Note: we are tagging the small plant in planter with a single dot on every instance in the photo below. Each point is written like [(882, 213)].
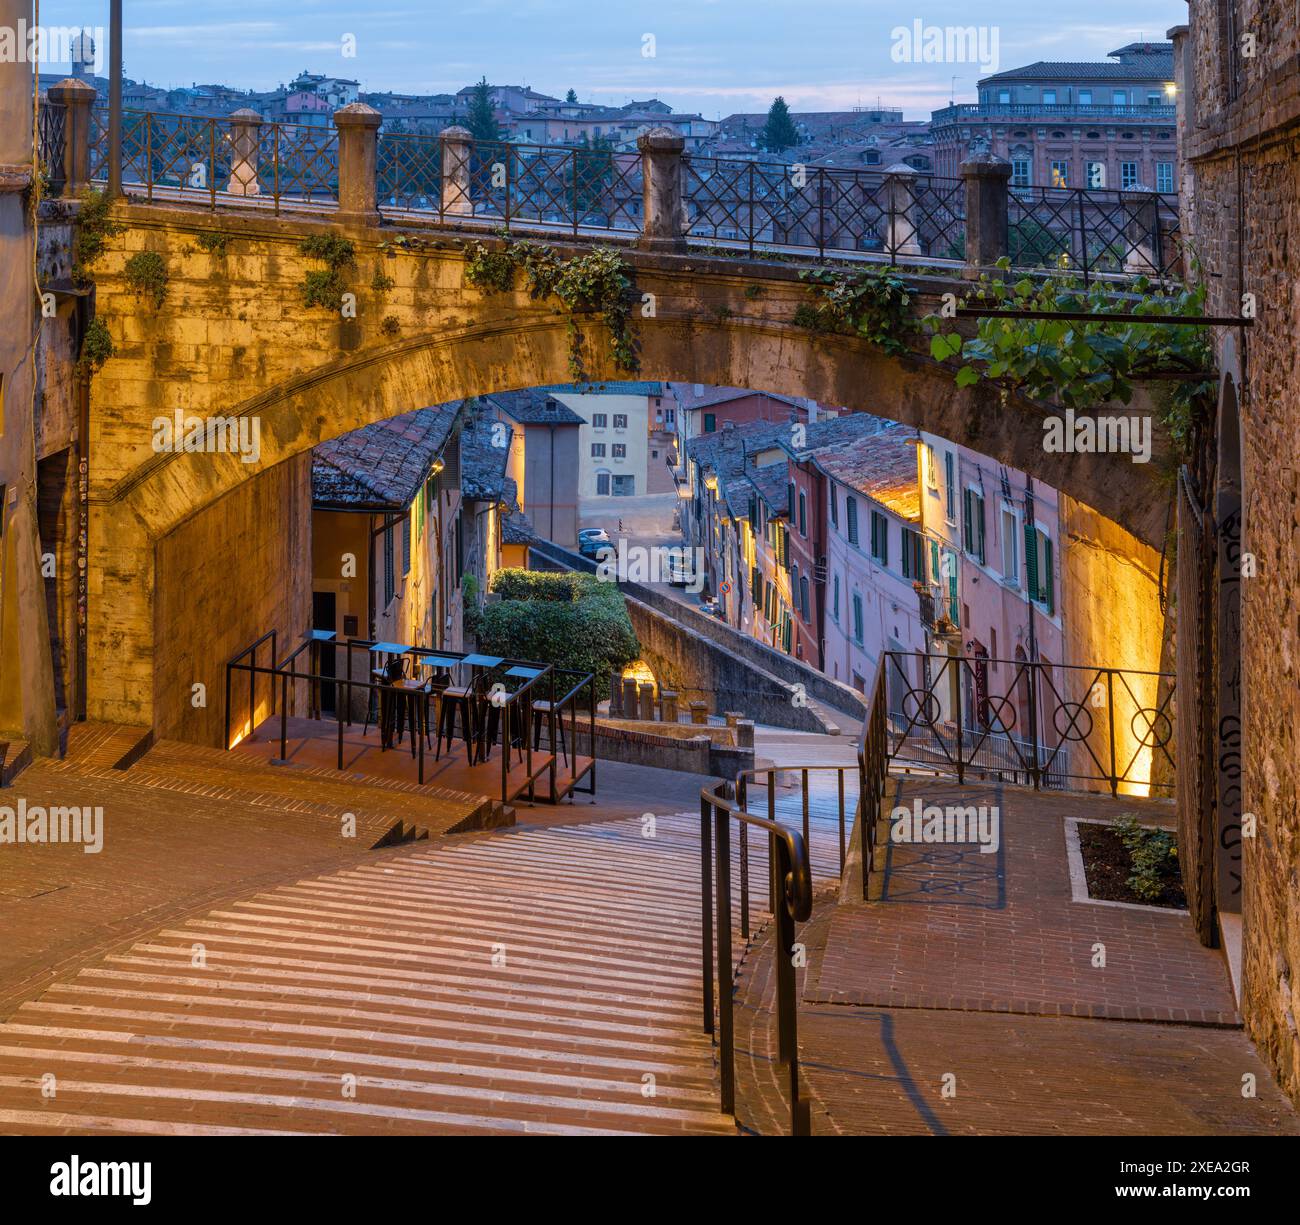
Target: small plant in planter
[(1154, 856)]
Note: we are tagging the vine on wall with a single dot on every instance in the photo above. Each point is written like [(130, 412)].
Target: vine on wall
[(325, 287), (595, 283), (874, 303)]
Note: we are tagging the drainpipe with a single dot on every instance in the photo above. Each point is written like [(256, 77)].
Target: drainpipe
[(115, 99)]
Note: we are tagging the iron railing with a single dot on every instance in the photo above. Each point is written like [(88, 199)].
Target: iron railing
[(52, 134), (1094, 230), (203, 159), (749, 205), (752, 204), (1154, 111), (1031, 722), (513, 707)]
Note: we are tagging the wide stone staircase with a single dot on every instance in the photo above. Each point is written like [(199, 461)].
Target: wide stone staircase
[(533, 981)]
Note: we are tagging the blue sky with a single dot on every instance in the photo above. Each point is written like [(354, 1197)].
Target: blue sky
[(712, 56)]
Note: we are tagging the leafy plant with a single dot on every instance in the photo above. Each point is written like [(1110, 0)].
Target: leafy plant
[(1153, 856), (146, 273), (390, 325), (874, 303), (381, 282), (597, 282), (1080, 364), (94, 229), (572, 620), (325, 287), (213, 243), (96, 347)]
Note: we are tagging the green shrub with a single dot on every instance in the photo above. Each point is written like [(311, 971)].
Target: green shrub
[(146, 273), (571, 620)]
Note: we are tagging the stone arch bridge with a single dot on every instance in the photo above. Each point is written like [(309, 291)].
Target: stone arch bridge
[(188, 552)]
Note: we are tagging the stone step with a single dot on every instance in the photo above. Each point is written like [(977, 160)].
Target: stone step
[(378, 1002)]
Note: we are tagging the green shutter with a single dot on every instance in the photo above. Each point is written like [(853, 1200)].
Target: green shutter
[(979, 502), (1049, 594), (1031, 560), (966, 532)]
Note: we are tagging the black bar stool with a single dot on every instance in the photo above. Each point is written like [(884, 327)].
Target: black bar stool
[(458, 700), (541, 709)]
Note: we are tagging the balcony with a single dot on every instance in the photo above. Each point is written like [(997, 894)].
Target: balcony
[(964, 111)]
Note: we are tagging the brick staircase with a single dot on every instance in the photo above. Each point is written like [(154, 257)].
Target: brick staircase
[(536, 981)]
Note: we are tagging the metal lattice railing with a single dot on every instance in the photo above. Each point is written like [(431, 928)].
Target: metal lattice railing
[(203, 159), (52, 133), (1094, 230), (771, 204)]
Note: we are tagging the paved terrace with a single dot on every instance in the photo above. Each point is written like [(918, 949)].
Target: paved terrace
[(980, 966)]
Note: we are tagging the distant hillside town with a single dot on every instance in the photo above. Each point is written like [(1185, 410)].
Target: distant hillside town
[(1096, 124)]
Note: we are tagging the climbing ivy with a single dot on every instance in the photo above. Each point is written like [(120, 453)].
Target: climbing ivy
[(94, 229), (212, 242), (874, 303), (146, 273), (96, 347), (595, 283), (1080, 364), (324, 287)]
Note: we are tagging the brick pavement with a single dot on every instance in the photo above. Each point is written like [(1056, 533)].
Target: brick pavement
[(949, 927), (870, 1070)]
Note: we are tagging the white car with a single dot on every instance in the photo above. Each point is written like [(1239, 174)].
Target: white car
[(681, 571)]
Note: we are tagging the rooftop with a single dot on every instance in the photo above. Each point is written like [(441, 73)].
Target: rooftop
[(381, 466), (533, 407), (482, 463)]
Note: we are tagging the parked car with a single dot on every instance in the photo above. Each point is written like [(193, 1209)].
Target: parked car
[(592, 539), (681, 568)]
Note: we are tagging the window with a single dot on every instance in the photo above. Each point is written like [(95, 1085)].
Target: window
[(1049, 97), (851, 514), (1119, 97), (1038, 567), (388, 565), (803, 514), (654, 454), (880, 537), (1096, 174), (1010, 547), (620, 421), (599, 421), (1085, 97), (619, 450), (406, 544), (1128, 174), (670, 416), (789, 501), (1021, 174), (597, 450), (710, 422), (950, 485), (973, 528), (805, 604), (857, 619), (1004, 97), (1154, 99), (931, 469), (835, 507), (913, 556), (835, 600), (1165, 177), (1060, 174)]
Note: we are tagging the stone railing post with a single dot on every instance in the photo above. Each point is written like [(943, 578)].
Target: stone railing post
[(668, 705), (663, 222), (358, 126), (76, 98), (898, 229), (457, 146), (988, 185), (700, 713), (745, 734), (630, 697), (1141, 230), (245, 146), (647, 702)]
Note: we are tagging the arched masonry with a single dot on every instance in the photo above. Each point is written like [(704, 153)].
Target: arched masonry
[(189, 550)]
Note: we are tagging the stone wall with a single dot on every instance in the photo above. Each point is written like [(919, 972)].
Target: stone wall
[(224, 578), (1244, 120)]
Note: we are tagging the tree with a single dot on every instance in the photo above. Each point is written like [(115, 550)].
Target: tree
[(571, 96), (779, 132), (481, 118)]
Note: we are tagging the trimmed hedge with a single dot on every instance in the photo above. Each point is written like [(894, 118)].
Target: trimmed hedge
[(571, 620)]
